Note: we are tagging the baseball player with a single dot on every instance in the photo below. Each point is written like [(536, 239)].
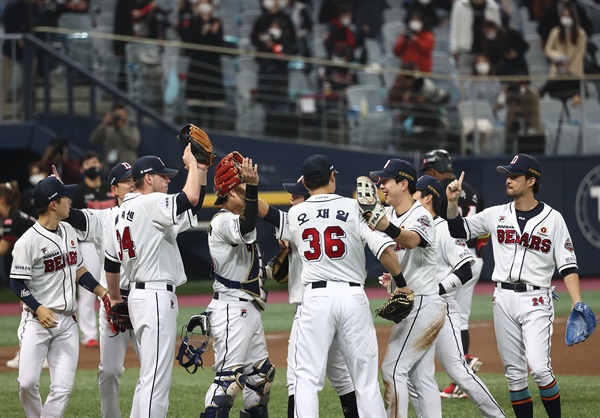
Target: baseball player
[(93, 193), (438, 164), (336, 371), (530, 240), (144, 241), (92, 225), (45, 269), (454, 261), (239, 345), (330, 234), (411, 349)]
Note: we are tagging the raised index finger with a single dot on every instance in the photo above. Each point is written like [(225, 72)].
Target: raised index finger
[(461, 178)]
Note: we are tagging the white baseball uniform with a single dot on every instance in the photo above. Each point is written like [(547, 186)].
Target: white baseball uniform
[(525, 261), (239, 342), (336, 369), (452, 254), (411, 349), (144, 240), (48, 261), (99, 224), (330, 235)]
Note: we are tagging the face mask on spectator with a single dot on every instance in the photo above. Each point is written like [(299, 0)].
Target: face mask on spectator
[(269, 4), (92, 172), (36, 178), (205, 8), (566, 21), (491, 35), (275, 33), (346, 21), (415, 25), (482, 68)]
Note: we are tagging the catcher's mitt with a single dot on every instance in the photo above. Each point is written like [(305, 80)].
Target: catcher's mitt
[(580, 324), (397, 307), (367, 197), (117, 316), (279, 266), (228, 173), (202, 148)]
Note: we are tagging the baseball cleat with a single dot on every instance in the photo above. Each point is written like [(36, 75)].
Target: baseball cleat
[(452, 391), (473, 362), (92, 344), (459, 394), (13, 363)]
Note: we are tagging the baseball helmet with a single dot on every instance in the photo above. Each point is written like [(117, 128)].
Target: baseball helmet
[(438, 159)]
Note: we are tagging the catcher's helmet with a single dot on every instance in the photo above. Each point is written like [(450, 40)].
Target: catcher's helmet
[(438, 159)]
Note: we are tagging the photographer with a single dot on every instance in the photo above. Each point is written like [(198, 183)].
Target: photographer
[(416, 43), (119, 140)]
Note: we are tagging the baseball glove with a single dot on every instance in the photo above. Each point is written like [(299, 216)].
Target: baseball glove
[(367, 197), (580, 324), (228, 173), (117, 316), (202, 148), (279, 266), (397, 307)]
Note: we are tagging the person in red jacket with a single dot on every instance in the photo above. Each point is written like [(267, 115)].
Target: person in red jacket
[(416, 43)]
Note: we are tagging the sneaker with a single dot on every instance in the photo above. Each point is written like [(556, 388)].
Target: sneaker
[(14, 362), (92, 344), (452, 391), (473, 362)]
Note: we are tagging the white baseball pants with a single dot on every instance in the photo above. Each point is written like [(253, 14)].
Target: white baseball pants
[(86, 301)]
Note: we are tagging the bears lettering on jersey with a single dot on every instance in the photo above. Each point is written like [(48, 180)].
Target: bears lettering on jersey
[(533, 242), (54, 262)]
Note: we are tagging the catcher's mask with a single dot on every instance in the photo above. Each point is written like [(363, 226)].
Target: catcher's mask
[(189, 356)]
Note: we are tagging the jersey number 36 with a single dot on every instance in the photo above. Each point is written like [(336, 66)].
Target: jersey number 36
[(330, 242), (126, 243)]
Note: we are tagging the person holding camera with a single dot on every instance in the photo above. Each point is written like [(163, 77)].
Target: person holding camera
[(119, 140), (57, 154), (416, 43)]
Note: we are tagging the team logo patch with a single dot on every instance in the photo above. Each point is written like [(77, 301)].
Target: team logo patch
[(423, 220), (502, 218), (460, 242), (72, 243), (244, 313), (569, 245), (44, 250), (543, 230)]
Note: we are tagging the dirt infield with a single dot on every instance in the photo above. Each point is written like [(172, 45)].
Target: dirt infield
[(579, 359)]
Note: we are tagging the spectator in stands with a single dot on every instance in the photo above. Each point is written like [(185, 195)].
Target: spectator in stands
[(428, 11), (416, 43), (57, 154), (119, 140), (123, 26), (368, 17), (149, 19), (566, 49), (484, 86), (17, 19), (466, 22), (300, 14), (552, 18), (537, 8), (522, 103), (505, 48), (342, 46), (329, 9), (184, 15), (205, 93), (35, 174), (273, 33)]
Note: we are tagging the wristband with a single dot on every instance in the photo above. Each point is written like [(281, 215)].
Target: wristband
[(88, 282), (399, 280), (392, 231)]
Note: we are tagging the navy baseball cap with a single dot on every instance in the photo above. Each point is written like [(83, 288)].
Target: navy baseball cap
[(522, 164), (297, 188), (151, 164), (119, 173), (49, 189), (317, 166), (433, 186), (394, 168)]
